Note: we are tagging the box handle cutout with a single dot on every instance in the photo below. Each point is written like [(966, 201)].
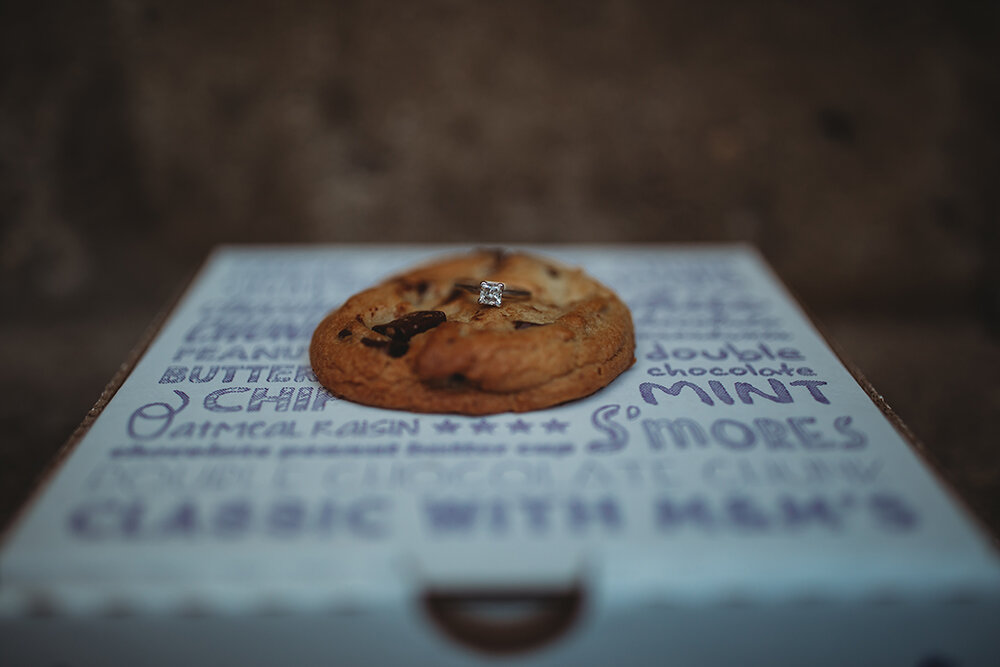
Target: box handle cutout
[(504, 622)]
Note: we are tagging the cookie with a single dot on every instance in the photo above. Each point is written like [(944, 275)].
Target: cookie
[(418, 342)]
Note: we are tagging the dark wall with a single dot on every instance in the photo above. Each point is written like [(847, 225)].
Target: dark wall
[(856, 145)]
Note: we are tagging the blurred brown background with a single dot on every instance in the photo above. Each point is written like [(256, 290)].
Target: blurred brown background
[(856, 145)]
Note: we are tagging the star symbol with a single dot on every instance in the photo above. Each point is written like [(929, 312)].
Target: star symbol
[(483, 425), (555, 426), (447, 426), (519, 426)]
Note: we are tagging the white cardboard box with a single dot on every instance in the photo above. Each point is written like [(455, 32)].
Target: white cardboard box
[(734, 498)]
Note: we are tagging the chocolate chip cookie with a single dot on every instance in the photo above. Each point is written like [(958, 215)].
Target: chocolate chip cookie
[(421, 342)]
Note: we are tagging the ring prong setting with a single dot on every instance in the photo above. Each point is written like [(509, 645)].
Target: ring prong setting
[(490, 293)]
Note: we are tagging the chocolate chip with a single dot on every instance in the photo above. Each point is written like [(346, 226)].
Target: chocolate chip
[(344, 333), (398, 348), (454, 295), (419, 287), (521, 324), (499, 258), (454, 382), (411, 324), (394, 348)]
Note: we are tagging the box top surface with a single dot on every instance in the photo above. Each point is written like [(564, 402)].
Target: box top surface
[(737, 459)]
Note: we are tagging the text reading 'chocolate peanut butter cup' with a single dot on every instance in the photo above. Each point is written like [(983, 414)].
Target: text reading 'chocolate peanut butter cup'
[(476, 334)]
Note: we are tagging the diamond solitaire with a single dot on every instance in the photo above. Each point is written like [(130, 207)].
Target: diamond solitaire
[(490, 293)]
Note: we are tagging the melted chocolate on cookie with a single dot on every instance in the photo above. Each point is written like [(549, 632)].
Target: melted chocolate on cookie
[(411, 324)]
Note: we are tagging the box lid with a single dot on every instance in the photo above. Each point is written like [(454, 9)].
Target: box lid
[(738, 459)]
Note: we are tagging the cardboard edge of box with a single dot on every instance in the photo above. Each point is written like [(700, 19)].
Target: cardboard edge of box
[(145, 340), (930, 461)]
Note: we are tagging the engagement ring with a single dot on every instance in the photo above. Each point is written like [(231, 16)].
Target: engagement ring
[(491, 293)]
